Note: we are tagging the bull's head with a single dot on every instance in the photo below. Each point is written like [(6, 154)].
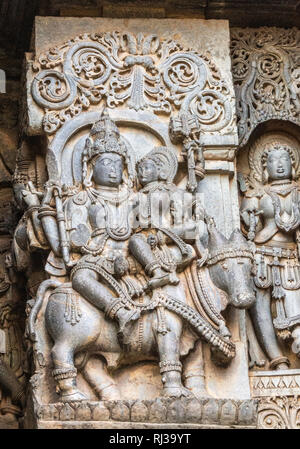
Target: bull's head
[(230, 264)]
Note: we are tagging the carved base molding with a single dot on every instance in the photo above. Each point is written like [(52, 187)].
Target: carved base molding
[(275, 383), (279, 413), (279, 393), (159, 413)]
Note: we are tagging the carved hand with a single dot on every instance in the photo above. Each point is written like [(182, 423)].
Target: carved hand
[(152, 240), (30, 199), (49, 187), (249, 209)]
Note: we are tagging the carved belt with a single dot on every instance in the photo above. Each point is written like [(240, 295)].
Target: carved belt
[(275, 251), (278, 268)]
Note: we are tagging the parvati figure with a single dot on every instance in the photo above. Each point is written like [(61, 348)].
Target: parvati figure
[(272, 217)]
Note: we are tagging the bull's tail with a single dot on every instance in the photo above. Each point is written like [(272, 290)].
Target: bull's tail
[(40, 295)]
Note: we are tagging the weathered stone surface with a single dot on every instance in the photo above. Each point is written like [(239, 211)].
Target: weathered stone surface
[(247, 413), (120, 412), (100, 412), (228, 413), (67, 413), (211, 411), (167, 86), (193, 411), (176, 411), (139, 412), (158, 412)]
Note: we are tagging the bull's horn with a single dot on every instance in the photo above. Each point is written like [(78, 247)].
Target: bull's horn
[(216, 238), (237, 237)]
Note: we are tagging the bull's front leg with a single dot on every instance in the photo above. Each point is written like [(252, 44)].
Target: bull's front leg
[(169, 354), (65, 373), (193, 371)]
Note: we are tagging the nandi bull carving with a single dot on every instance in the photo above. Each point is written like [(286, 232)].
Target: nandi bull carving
[(112, 302)]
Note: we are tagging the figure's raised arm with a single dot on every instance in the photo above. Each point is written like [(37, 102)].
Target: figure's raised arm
[(48, 217), (249, 207)]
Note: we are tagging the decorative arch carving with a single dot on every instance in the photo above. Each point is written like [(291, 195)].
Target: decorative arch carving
[(266, 74), (141, 72)]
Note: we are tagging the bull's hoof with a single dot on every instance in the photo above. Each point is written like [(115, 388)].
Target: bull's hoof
[(110, 393), (76, 396), (200, 393), (177, 392)]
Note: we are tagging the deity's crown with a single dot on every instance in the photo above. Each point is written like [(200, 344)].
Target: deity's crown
[(163, 156), (104, 137)]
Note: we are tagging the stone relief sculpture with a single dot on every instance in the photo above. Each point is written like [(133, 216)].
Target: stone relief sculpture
[(143, 72), (121, 286), (133, 268), (12, 350), (156, 172), (131, 284), (266, 76), (270, 213), (265, 70)]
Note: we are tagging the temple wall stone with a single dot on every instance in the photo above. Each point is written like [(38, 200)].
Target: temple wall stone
[(212, 106)]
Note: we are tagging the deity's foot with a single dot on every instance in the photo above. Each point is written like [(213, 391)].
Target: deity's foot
[(68, 391), (296, 342), (110, 393), (160, 281), (196, 384), (199, 393), (177, 392), (74, 396)]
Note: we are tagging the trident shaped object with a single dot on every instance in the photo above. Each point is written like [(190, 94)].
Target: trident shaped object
[(185, 129)]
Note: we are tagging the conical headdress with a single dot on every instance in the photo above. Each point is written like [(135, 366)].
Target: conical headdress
[(105, 137)]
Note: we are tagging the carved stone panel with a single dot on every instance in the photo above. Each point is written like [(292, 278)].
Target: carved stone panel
[(279, 413), (126, 65), (272, 384), (265, 69), (135, 226)]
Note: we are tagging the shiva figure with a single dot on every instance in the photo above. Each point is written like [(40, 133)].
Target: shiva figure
[(97, 221), (271, 215), (165, 217)]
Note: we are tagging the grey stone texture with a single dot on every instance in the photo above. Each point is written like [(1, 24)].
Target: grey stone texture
[(160, 326)]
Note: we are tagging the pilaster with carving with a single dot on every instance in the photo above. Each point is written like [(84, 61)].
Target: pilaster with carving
[(265, 68)]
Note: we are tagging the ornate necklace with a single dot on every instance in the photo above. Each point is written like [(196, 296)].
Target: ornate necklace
[(157, 185), (151, 188), (294, 219), (106, 195), (113, 195)]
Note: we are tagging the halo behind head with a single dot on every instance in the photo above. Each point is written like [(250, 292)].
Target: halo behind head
[(163, 156), (262, 147)]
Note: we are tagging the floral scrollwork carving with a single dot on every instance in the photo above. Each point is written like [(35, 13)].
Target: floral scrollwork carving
[(279, 413), (265, 67), (138, 71)]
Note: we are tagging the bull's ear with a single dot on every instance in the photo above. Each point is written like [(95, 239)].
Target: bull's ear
[(216, 238), (237, 237)]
